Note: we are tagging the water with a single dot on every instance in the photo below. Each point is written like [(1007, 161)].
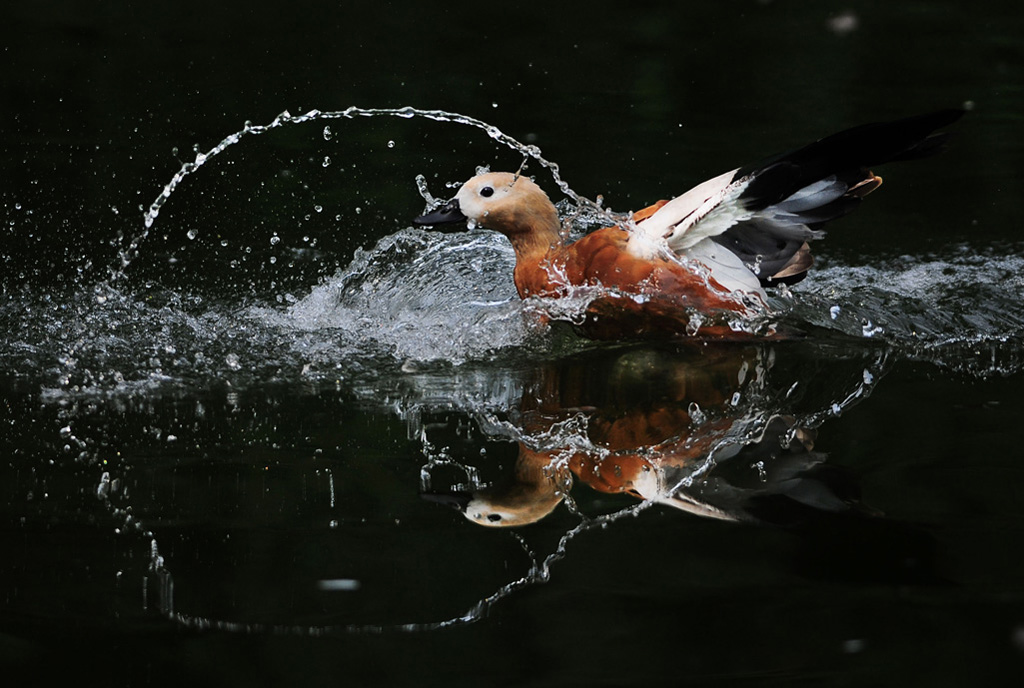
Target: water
[(425, 329), (259, 430)]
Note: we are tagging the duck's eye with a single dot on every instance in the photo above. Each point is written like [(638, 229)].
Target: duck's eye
[(487, 192), (493, 518)]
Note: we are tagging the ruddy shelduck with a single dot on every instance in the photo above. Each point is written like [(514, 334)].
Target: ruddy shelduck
[(695, 263)]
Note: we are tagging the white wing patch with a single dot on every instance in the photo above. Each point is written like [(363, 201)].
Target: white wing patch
[(711, 205), (686, 224), (725, 267)]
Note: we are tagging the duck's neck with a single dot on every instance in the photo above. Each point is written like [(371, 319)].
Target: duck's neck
[(533, 239)]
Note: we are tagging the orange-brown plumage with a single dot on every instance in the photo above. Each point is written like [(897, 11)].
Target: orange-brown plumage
[(639, 295)]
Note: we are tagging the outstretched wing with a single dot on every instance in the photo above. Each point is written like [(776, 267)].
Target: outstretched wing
[(766, 214)]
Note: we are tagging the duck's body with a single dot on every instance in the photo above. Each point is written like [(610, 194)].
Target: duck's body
[(636, 295), (711, 251)]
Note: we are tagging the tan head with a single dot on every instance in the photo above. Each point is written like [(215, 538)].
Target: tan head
[(504, 202)]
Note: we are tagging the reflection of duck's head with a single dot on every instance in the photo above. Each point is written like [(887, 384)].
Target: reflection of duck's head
[(533, 493), (509, 508)]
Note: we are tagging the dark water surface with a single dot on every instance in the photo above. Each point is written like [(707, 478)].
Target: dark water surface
[(231, 439)]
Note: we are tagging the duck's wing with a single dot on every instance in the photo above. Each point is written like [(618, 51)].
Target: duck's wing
[(765, 214)]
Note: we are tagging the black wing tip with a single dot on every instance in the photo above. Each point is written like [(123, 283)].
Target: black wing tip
[(862, 146), (848, 152), (945, 117), (926, 122)]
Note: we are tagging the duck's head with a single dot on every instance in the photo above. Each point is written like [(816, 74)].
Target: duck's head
[(508, 203)]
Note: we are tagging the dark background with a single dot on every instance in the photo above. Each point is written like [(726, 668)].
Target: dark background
[(101, 102), (634, 101)]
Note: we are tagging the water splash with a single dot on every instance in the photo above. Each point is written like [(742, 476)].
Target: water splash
[(421, 296), (129, 252), (963, 311)]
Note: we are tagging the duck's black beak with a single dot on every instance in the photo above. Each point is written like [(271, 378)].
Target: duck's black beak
[(447, 214)]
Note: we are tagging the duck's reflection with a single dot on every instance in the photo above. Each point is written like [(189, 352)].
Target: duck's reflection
[(708, 431)]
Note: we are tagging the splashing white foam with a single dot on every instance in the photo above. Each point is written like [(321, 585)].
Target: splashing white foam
[(420, 296)]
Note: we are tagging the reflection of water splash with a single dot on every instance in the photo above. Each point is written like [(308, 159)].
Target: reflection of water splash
[(421, 394), (539, 572), (157, 591)]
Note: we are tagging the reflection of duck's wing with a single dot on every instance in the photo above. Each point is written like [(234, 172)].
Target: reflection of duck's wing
[(772, 481), (656, 486)]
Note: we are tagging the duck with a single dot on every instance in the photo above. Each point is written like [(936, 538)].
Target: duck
[(700, 263)]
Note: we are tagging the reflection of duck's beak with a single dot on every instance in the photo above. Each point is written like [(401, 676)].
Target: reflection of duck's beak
[(456, 500)]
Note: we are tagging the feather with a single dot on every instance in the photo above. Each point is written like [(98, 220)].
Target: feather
[(766, 213)]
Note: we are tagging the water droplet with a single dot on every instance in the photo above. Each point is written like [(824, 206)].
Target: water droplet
[(755, 267), (1017, 637), (327, 161), (318, 208), (870, 329), (834, 312), (339, 585), (192, 234), (391, 144), (103, 489), (762, 474), (328, 135), (275, 240)]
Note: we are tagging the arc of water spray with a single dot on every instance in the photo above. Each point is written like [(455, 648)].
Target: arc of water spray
[(129, 253)]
